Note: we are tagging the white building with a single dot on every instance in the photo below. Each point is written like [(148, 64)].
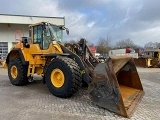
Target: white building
[(10, 25)]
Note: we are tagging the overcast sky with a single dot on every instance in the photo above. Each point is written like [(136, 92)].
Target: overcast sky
[(138, 20)]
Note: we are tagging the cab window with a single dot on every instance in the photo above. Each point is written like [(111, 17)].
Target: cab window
[(46, 38), (38, 37)]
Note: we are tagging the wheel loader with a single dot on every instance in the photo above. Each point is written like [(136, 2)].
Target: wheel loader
[(150, 58), (114, 84)]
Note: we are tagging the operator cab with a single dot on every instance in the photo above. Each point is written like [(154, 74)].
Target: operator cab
[(44, 33)]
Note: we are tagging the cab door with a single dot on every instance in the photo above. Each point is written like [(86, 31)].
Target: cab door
[(38, 36)]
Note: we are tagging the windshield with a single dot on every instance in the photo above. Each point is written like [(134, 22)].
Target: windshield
[(56, 32)]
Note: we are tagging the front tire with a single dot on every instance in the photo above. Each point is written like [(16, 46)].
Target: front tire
[(63, 77), (17, 72)]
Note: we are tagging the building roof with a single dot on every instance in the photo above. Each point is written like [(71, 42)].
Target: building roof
[(92, 48), (151, 49), (23, 19)]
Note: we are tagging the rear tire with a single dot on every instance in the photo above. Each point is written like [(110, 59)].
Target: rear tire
[(17, 72), (63, 77)]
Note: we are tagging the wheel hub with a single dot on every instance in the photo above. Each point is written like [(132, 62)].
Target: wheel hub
[(57, 78), (14, 71)]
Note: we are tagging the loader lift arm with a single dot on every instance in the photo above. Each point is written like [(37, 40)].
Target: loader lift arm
[(83, 56)]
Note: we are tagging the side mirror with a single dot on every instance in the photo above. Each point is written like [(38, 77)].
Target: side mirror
[(67, 31), (44, 26)]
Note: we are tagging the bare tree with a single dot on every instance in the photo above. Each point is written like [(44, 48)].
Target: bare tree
[(148, 45), (71, 41), (76, 41), (125, 43), (158, 45), (90, 43), (103, 46), (152, 45)]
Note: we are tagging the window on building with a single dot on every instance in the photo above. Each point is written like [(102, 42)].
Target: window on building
[(3, 50)]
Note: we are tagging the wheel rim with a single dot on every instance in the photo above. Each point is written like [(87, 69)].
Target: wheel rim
[(57, 78), (14, 71)]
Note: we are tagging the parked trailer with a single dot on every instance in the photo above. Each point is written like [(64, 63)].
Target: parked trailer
[(123, 52)]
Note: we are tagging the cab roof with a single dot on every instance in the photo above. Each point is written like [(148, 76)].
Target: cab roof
[(39, 23)]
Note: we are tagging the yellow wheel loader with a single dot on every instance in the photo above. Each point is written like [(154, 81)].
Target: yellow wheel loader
[(149, 59), (114, 84)]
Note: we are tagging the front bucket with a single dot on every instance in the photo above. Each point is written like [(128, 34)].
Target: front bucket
[(116, 85)]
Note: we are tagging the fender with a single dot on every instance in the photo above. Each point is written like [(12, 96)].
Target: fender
[(14, 53)]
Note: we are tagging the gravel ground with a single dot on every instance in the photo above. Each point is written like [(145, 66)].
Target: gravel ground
[(35, 102)]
